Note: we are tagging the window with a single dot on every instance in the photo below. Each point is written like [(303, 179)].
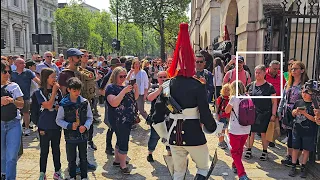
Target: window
[(15, 3), (45, 12), (46, 27), (17, 35), (3, 33)]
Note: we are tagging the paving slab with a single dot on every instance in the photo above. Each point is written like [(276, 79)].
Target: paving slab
[(28, 164)]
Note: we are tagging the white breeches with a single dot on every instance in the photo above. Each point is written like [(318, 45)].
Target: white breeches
[(199, 155)]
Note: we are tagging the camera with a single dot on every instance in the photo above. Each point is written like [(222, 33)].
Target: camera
[(314, 87)]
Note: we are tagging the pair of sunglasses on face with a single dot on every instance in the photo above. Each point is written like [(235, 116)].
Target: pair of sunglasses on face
[(5, 71)]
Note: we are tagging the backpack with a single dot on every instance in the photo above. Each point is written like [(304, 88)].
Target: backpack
[(9, 111), (247, 76), (35, 109), (87, 78), (247, 112), (219, 109)]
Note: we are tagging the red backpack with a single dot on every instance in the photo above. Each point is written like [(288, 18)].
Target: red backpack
[(247, 112)]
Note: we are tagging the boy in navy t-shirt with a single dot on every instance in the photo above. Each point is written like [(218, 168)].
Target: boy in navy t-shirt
[(304, 131)]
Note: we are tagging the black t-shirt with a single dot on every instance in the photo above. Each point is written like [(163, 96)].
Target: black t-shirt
[(302, 125), (152, 89), (266, 89)]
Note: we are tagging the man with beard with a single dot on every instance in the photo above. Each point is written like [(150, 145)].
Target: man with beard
[(74, 57), (186, 99)]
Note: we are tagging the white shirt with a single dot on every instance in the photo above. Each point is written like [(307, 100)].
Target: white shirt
[(141, 79), (15, 91), (234, 126), (33, 88), (218, 76), (13, 67)]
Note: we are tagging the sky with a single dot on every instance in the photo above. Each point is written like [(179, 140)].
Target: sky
[(105, 4)]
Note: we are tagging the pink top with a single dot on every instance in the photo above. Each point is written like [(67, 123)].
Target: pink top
[(242, 77)]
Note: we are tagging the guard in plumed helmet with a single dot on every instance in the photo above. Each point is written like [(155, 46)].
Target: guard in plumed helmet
[(185, 97)]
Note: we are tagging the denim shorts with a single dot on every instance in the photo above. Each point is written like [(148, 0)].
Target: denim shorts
[(303, 142), (225, 122)]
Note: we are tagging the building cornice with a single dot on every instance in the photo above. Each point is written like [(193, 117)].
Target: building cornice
[(5, 10)]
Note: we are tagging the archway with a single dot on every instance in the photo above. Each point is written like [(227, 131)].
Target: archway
[(232, 22)]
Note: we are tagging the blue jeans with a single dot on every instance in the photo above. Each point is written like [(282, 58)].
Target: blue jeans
[(153, 140), (10, 145)]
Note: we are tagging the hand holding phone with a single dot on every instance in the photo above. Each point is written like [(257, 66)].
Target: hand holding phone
[(132, 82)]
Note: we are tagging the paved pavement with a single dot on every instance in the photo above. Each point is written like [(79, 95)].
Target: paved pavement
[(28, 164)]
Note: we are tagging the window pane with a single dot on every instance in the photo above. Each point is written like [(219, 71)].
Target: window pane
[(17, 38), (3, 33)]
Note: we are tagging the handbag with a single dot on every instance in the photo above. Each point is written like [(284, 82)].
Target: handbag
[(287, 115)]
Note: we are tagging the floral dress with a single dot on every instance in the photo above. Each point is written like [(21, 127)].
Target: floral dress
[(126, 112)]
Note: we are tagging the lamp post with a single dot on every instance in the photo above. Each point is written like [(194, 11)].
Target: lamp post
[(35, 6)]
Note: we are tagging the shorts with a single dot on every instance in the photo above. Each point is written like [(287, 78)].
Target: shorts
[(303, 142), (225, 121), (26, 107)]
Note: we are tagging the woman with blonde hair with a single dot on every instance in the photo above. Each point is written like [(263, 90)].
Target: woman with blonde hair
[(140, 76), (238, 134), (292, 92), (121, 113)]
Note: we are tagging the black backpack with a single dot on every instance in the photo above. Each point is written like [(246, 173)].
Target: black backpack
[(9, 111), (35, 109)]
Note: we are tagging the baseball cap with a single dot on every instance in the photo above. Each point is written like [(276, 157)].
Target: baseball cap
[(74, 52), (30, 63), (115, 62), (60, 55), (240, 58)]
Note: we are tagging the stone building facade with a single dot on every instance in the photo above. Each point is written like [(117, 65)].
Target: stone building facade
[(205, 23), (247, 24), (15, 27), (18, 25), (46, 9)]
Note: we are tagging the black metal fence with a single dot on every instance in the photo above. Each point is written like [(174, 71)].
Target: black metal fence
[(293, 27)]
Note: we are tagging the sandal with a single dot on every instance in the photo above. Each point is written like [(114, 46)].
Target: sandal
[(125, 170), (264, 156), (248, 154)]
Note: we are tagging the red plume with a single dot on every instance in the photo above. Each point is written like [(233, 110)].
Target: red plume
[(183, 62), (226, 36)]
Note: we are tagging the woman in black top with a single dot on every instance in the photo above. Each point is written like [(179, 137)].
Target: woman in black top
[(266, 109)]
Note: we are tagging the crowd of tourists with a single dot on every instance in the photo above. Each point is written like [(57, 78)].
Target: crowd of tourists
[(45, 96)]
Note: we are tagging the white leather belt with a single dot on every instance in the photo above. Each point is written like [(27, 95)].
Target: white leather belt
[(189, 113)]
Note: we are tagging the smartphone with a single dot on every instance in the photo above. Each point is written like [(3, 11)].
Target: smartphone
[(132, 82), (301, 108), (198, 74)]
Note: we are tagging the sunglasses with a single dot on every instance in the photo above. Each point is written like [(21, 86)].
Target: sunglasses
[(5, 71), (294, 69), (307, 91), (198, 62), (49, 56), (162, 77), (290, 64), (122, 76)]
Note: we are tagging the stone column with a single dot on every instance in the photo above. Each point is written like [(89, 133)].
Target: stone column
[(28, 38), (11, 34)]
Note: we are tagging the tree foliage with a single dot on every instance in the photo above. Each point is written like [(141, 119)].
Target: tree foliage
[(95, 30), (152, 13), (72, 24)]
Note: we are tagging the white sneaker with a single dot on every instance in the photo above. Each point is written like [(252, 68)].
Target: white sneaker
[(27, 132), (285, 140)]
